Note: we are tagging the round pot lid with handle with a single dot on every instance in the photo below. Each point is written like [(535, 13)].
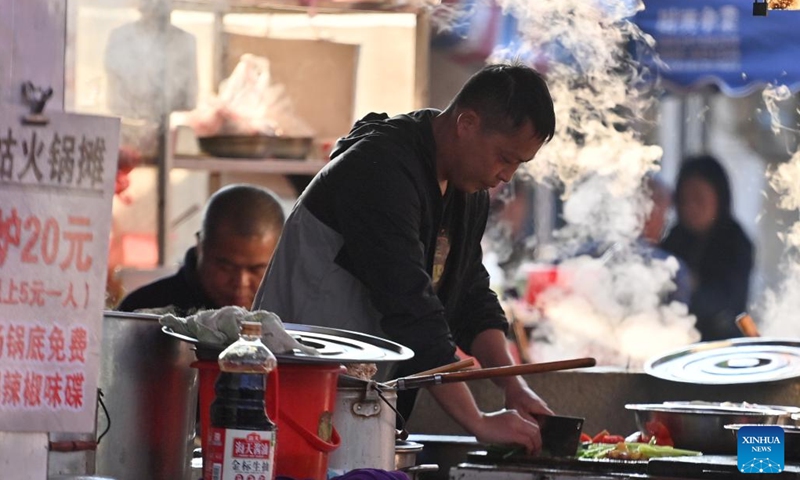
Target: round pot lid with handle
[(334, 346), (728, 362)]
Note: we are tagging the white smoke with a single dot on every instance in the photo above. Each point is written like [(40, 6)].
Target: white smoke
[(610, 307), (778, 309)]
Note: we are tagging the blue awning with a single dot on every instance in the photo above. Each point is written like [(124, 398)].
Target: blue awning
[(720, 42)]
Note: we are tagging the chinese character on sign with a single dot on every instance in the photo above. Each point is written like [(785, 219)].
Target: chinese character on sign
[(52, 390), (6, 156), (78, 342), (62, 159), (58, 345), (12, 387), (32, 390), (10, 228), (76, 240), (32, 151), (90, 165), (73, 391)]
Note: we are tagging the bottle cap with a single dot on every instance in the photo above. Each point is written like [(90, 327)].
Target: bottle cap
[(251, 329)]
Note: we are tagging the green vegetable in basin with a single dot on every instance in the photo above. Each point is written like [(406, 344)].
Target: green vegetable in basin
[(632, 451)]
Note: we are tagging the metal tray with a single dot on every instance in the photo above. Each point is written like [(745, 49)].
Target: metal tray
[(728, 362), (256, 146), (335, 346)]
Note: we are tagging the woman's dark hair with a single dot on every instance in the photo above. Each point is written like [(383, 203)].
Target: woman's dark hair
[(506, 96), (709, 169)]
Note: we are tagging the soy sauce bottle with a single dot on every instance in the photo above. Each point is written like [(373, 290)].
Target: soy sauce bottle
[(242, 436)]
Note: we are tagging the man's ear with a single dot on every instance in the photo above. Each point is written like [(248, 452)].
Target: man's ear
[(468, 122)]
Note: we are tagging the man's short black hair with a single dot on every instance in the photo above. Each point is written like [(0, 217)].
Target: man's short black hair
[(242, 210), (506, 96)]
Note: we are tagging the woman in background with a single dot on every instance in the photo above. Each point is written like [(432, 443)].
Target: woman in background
[(713, 245)]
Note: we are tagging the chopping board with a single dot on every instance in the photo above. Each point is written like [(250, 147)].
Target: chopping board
[(571, 464)]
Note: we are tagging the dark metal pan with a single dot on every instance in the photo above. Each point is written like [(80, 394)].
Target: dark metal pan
[(256, 146)]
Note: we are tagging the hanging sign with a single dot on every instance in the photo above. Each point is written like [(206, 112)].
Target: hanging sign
[(56, 188), (721, 42)]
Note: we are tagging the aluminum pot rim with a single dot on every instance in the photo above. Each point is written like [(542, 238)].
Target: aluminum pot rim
[(707, 409)]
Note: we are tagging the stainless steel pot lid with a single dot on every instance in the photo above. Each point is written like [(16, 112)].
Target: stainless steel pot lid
[(334, 345), (727, 362)]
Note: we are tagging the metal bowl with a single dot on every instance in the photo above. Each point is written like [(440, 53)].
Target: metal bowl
[(256, 146), (791, 438), (702, 426)]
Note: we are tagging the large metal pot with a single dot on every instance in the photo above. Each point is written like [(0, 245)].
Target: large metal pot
[(701, 425), (150, 392), (366, 422)]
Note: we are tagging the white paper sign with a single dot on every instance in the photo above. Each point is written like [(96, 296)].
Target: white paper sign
[(56, 187)]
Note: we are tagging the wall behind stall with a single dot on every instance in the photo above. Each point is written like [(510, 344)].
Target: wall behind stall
[(385, 82), (385, 76), (384, 70)]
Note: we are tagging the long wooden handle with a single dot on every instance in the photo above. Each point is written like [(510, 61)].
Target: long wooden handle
[(416, 382), (450, 367), (747, 325)]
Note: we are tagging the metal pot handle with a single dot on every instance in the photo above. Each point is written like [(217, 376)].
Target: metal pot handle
[(402, 433)]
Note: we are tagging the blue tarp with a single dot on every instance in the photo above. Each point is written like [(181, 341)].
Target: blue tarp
[(720, 42)]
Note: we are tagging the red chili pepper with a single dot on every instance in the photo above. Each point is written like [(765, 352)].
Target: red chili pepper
[(611, 439), (585, 438), (596, 438), (660, 432)]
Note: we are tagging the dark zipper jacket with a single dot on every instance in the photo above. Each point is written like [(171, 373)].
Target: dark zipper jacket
[(357, 251), (181, 291)]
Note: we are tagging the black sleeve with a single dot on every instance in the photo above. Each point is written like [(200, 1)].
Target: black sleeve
[(153, 295), (169, 291), (378, 208), (478, 309)]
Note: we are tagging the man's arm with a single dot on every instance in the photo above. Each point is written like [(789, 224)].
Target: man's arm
[(502, 427), (490, 347)]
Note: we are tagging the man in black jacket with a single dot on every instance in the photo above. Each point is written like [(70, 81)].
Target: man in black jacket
[(386, 239), (241, 227)]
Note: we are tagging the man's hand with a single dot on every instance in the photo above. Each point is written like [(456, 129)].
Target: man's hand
[(491, 349), (507, 427), (503, 427), (521, 398)]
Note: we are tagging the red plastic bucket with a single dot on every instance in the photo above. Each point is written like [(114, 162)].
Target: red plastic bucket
[(305, 420), (300, 401)]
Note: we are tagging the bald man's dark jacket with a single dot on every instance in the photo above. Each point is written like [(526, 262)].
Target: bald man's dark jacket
[(181, 290)]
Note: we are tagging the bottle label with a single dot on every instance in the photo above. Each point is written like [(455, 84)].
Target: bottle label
[(240, 454)]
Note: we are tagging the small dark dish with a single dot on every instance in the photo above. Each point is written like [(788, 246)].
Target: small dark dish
[(791, 438)]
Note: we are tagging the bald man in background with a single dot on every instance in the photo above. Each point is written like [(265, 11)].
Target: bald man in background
[(241, 227)]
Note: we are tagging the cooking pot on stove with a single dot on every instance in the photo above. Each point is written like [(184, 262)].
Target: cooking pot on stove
[(701, 425), (364, 416), (150, 393)]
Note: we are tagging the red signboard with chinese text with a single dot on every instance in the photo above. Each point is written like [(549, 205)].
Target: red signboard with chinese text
[(56, 187)]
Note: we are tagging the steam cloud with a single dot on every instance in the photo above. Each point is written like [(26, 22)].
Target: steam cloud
[(778, 309), (609, 307)]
